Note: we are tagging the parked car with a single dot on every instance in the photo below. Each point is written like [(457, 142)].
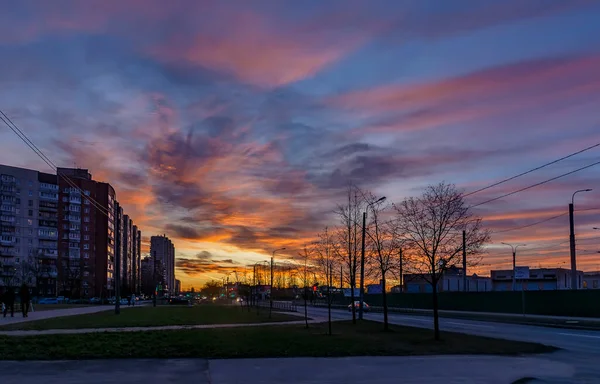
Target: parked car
[(366, 307), (48, 300), (62, 300)]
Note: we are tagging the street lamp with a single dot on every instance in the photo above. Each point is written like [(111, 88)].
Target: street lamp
[(362, 259), (514, 253), (271, 294), (572, 239)]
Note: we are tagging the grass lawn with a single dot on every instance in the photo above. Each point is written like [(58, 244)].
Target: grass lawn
[(366, 338), (150, 316), (49, 307)]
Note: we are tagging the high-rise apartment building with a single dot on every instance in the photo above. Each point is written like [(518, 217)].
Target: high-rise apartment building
[(28, 229), (163, 249), (87, 243), (61, 234)]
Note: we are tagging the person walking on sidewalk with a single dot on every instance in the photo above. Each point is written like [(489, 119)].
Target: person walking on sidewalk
[(9, 302), (25, 299)]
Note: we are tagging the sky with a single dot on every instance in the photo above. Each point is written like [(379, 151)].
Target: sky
[(234, 127)]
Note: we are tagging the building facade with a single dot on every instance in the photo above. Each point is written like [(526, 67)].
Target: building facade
[(28, 229), (452, 280), (61, 233), (537, 280), (163, 249)]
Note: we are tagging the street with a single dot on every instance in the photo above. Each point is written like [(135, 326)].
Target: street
[(569, 339)]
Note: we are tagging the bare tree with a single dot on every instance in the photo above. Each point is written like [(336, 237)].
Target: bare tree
[(384, 243), (433, 225), (70, 276), (326, 260), (348, 238)]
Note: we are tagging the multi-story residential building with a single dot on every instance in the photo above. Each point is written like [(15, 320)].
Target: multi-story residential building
[(177, 287), (163, 249), (138, 259), (61, 233), (87, 239), (28, 228), (153, 277), (135, 253)]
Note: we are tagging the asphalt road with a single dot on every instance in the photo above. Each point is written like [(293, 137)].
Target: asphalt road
[(577, 341)]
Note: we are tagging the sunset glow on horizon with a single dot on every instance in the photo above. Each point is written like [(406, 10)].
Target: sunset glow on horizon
[(235, 127)]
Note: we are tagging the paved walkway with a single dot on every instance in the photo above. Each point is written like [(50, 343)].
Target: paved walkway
[(39, 315), (351, 370)]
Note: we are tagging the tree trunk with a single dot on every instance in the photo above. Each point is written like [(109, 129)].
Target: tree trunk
[(329, 303), (436, 323), (384, 301), (352, 298), (306, 307)]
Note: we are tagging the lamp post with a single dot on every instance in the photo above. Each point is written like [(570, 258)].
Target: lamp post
[(514, 255), (572, 239), (362, 259), (271, 294)]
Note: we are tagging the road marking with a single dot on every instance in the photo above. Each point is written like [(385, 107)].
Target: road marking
[(574, 334), (469, 325)]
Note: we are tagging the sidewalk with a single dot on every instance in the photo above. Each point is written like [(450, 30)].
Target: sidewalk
[(351, 370), (33, 316)]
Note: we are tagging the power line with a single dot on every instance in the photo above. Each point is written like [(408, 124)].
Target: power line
[(535, 185), (531, 170), (49, 162), (532, 224)]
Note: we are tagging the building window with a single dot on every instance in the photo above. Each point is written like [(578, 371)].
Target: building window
[(86, 202), (86, 210), (86, 219), (29, 222), (30, 212), (30, 231), (65, 226), (86, 228), (86, 237), (86, 255), (595, 284), (30, 183), (86, 192), (30, 203), (65, 199), (30, 241), (30, 192), (18, 211), (18, 200), (86, 246)]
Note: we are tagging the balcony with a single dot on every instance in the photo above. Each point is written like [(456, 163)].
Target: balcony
[(8, 240), (49, 187), (49, 253), (73, 245), (74, 227), (74, 208), (7, 179), (74, 254), (51, 196), (74, 237), (74, 218), (53, 235), (7, 219), (74, 199), (7, 208)]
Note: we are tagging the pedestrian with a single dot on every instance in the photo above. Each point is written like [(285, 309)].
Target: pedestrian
[(25, 299), (133, 299), (9, 302)]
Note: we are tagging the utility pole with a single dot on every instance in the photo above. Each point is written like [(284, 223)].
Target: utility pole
[(362, 259), (464, 260), (341, 278), (154, 279), (362, 269), (271, 295), (572, 239), (514, 262)]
